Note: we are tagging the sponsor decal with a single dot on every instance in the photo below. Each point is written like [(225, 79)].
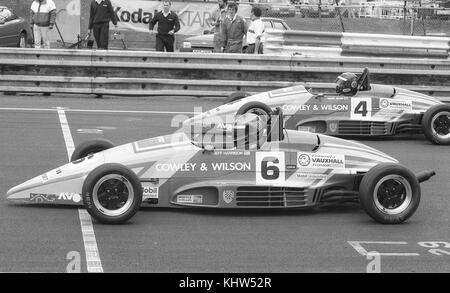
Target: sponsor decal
[(314, 160), (190, 198), (333, 126), (150, 192), (395, 105), (304, 160), (204, 167), (41, 197), (66, 196), (311, 176), (316, 107), (44, 178), (231, 153), (307, 128), (228, 196), (177, 167)]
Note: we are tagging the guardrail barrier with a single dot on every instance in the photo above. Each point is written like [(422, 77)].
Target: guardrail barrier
[(155, 73)]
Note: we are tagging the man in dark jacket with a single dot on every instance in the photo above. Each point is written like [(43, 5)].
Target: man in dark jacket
[(101, 14), (168, 25), (234, 30)]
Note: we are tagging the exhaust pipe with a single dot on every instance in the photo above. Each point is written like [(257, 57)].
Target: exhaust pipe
[(425, 175)]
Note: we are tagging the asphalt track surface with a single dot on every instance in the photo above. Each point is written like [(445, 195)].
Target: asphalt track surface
[(336, 239)]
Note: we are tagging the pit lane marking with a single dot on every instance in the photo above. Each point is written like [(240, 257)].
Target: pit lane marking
[(93, 261), (361, 250), (96, 111)]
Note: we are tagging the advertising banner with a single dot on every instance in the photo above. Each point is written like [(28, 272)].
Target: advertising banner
[(136, 15)]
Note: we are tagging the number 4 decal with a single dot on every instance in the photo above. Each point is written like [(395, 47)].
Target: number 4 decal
[(270, 167), (361, 108)]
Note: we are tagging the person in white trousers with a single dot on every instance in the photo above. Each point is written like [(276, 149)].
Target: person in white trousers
[(43, 17)]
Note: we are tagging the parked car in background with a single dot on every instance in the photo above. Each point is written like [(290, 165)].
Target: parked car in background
[(14, 31), (312, 9), (275, 8), (204, 43)]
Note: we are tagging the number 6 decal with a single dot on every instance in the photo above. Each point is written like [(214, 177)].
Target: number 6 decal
[(361, 108), (270, 167)]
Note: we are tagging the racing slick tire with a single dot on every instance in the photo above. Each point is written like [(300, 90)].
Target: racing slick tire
[(90, 147), (436, 124), (112, 194), (236, 96), (389, 193), (257, 108)]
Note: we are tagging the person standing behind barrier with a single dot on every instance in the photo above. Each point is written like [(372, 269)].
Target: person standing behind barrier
[(234, 30), (43, 17), (168, 25), (101, 13), (255, 32), (217, 21)]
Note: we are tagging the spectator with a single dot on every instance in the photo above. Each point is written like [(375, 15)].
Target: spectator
[(102, 12), (234, 30), (255, 32), (43, 17), (216, 21), (168, 25)]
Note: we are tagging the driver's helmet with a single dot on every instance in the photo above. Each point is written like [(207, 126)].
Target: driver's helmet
[(347, 84)]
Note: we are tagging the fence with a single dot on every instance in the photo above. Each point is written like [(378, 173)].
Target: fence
[(370, 17), (154, 73)]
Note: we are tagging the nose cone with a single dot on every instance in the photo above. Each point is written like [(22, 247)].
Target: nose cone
[(21, 192)]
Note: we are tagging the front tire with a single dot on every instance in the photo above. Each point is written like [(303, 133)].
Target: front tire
[(436, 124), (389, 193), (112, 194), (90, 147), (257, 108)]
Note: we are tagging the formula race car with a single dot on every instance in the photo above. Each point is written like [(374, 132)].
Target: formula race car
[(251, 163), (357, 109)]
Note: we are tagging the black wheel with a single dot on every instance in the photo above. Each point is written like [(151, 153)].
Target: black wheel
[(112, 194), (436, 124), (389, 193), (236, 96), (257, 108), (90, 147), (22, 40)]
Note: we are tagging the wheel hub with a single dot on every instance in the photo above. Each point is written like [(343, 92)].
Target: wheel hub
[(113, 194), (392, 194), (441, 125)]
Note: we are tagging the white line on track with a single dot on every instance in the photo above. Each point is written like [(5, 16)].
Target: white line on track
[(361, 250), (96, 111), (93, 261)]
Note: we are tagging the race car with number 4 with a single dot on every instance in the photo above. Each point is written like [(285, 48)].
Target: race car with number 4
[(364, 110), (252, 163)]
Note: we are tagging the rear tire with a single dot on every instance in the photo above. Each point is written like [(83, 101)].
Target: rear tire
[(436, 124), (112, 194), (236, 96), (389, 193), (90, 147)]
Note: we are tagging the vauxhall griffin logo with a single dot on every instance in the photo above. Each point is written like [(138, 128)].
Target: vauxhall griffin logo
[(304, 160)]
